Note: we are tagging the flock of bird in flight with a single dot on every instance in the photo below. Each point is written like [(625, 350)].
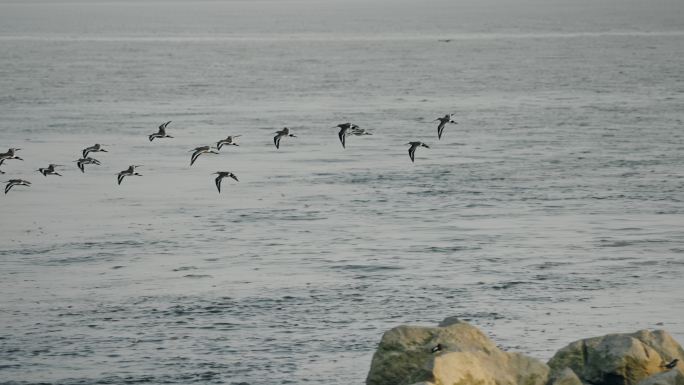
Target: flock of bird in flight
[(346, 129)]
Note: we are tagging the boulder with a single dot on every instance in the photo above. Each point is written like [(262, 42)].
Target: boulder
[(494, 368), (468, 357), (670, 377), (565, 377), (617, 359)]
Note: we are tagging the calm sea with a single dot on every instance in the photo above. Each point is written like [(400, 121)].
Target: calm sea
[(552, 211)]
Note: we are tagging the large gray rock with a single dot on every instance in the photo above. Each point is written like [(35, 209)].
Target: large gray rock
[(670, 377), (565, 377), (469, 358), (617, 359)]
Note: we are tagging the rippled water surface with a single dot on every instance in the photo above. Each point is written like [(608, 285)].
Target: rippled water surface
[(552, 211)]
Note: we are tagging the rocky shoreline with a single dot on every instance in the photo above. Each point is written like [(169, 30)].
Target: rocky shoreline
[(466, 356)]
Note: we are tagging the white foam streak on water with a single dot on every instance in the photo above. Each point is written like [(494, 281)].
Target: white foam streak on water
[(552, 211)]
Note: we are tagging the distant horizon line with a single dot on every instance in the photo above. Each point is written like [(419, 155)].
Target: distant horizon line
[(327, 36)]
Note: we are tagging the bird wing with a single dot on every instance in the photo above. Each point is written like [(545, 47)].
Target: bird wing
[(120, 178), (342, 135), (440, 128), (8, 187), (412, 151), (194, 156), (218, 182), (234, 177), (276, 141), (80, 166)]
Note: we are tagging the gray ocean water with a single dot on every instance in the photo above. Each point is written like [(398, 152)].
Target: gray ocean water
[(553, 210)]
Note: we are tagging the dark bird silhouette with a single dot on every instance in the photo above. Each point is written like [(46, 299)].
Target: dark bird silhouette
[(358, 131), (437, 348), (83, 161), (50, 170), (96, 148), (442, 123), (10, 154), (227, 141), (280, 134), (127, 172), (412, 149), (15, 182), (161, 133), (221, 175), (347, 129), (199, 151)]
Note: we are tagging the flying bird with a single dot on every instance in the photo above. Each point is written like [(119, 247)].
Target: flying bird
[(347, 129), (414, 146), (230, 140), (161, 133), (279, 134), (221, 175), (50, 170), (442, 123), (15, 182), (358, 131), (83, 161), (96, 148), (199, 151), (127, 172), (10, 154), (437, 348)]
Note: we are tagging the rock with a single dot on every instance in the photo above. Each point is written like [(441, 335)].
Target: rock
[(468, 358), (670, 377), (617, 359), (565, 377), (448, 321), (494, 368)]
